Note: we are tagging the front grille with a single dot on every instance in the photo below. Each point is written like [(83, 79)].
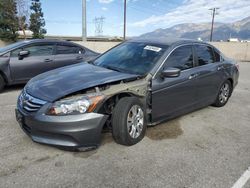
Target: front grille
[(30, 103)]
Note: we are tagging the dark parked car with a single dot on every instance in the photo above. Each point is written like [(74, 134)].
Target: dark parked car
[(139, 83), (23, 60)]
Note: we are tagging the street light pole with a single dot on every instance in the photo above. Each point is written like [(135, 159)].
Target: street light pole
[(84, 21), (212, 27), (125, 17)]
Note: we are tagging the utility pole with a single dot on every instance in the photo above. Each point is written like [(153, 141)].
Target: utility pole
[(125, 17), (212, 27), (84, 21)]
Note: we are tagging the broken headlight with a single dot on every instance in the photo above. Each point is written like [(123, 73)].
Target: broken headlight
[(77, 105)]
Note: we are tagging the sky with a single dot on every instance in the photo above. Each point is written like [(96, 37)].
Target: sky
[(64, 17)]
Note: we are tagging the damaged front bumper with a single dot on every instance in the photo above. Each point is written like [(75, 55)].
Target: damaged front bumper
[(72, 132)]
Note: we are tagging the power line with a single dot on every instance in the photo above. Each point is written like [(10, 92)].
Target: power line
[(146, 10), (63, 21), (141, 10), (149, 7)]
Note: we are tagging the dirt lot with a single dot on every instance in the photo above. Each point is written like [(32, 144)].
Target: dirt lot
[(207, 148)]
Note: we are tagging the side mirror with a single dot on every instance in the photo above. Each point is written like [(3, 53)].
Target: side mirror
[(171, 72), (23, 53)]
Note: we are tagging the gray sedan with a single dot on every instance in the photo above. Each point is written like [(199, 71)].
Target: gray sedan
[(138, 83), (23, 60)]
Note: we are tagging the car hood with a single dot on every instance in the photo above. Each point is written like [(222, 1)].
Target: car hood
[(55, 84)]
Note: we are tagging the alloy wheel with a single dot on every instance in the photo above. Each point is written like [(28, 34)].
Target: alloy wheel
[(224, 93), (135, 121)]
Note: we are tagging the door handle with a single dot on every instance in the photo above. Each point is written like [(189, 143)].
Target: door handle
[(192, 76), (48, 60)]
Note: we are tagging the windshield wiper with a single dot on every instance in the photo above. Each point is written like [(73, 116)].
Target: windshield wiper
[(116, 69), (113, 68)]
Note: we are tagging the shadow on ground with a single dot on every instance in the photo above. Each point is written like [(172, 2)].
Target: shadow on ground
[(8, 89), (168, 130)]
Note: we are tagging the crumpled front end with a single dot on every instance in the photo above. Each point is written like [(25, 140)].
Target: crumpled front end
[(81, 132)]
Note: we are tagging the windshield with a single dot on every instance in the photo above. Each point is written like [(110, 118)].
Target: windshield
[(132, 57), (10, 46)]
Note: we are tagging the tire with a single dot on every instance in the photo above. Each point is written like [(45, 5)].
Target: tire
[(2, 83), (224, 94), (128, 129)]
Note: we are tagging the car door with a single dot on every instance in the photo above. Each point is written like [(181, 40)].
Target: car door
[(39, 60), (68, 54), (171, 96), (209, 78)]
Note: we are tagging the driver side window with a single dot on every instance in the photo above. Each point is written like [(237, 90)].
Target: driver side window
[(41, 50), (35, 50), (15, 53), (181, 58)]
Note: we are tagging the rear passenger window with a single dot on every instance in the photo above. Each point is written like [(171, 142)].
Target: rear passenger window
[(63, 49), (181, 58), (204, 54), (216, 56)]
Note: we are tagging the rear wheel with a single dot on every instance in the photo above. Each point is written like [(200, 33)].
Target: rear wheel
[(224, 94), (128, 121), (2, 83)]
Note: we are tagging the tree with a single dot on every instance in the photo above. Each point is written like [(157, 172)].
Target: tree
[(8, 20), (37, 21), (23, 14)]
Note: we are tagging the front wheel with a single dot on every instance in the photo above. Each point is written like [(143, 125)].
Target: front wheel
[(224, 94), (128, 121)]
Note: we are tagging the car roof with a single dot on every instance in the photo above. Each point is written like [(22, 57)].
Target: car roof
[(166, 41), (34, 41), (31, 41)]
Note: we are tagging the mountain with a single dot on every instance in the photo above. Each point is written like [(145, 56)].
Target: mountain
[(222, 31)]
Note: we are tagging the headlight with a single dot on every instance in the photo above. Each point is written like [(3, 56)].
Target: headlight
[(77, 105)]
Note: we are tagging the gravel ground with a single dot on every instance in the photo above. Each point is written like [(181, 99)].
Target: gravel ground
[(206, 148)]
